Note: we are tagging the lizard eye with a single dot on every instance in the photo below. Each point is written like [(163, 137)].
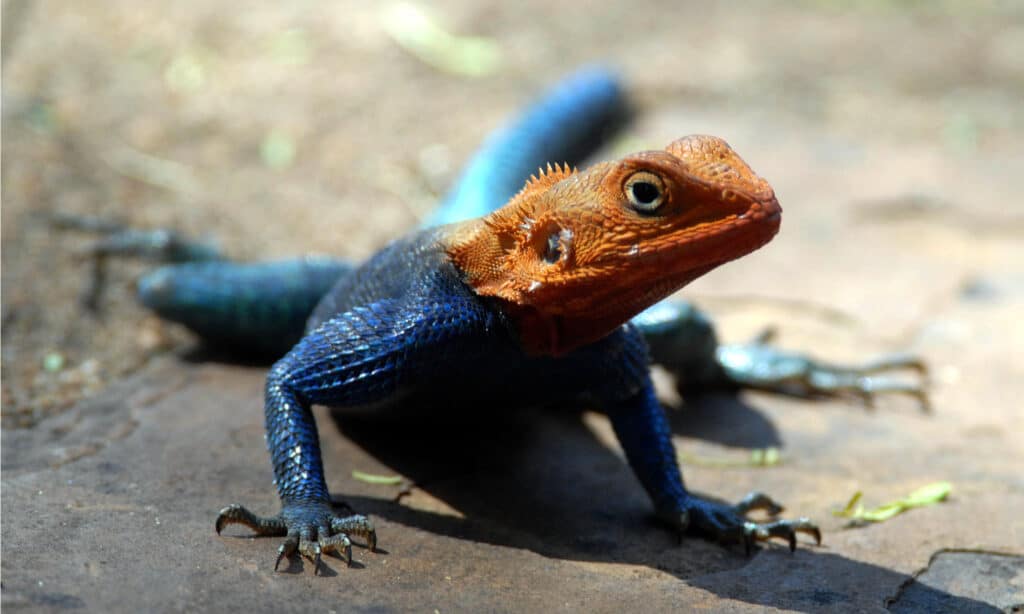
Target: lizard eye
[(645, 191)]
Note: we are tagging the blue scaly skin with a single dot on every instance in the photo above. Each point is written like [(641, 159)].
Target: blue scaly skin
[(260, 308), (451, 315), (406, 328)]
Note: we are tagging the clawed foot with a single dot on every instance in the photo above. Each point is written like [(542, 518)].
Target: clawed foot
[(311, 529), (120, 241), (760, 365), (728, 523)]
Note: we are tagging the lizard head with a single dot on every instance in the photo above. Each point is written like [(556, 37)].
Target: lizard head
[(574, 255)]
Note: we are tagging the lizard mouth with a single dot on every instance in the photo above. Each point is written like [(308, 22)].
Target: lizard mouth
[(731, 239), (565, 329), (747, 232)]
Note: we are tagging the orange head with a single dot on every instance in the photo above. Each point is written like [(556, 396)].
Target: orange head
[(576, 254)]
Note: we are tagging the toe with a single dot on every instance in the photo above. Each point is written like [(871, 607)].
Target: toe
[(356, 524), (237, 514), (311, 550), (286, 549), (784, 529), (758, 501), (338, 543)]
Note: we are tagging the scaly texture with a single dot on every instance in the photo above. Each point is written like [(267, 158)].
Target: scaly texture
[(257, 307), (526, 305), (574, 255)]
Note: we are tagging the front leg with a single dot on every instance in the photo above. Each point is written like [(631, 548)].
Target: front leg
[(618, 380), (359, 357), (307, 518), (352, 359), (643, 431)]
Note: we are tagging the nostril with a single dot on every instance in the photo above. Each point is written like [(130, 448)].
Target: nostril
[(720, 171)]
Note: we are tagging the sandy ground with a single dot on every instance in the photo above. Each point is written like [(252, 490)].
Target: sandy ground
[(892, 133)]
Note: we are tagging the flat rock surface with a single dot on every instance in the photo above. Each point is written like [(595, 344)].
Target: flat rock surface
[(893, 139)]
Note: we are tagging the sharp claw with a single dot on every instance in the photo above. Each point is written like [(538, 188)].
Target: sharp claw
[(223, 516), (804, 525), (227, 515), (348, 556), (289, 546), (752, 532)]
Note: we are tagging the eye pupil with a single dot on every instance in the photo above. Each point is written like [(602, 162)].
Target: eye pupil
[(645, 192)]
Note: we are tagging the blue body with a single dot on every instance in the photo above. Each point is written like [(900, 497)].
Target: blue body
[(403, 328)]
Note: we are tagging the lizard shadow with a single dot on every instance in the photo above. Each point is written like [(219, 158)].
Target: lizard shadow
[(534, 478), (723, 418), (547, 481)]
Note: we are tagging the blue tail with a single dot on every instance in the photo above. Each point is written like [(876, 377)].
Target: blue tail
[(565, 124)]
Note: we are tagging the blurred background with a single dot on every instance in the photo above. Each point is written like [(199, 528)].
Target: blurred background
[(892, 132)]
